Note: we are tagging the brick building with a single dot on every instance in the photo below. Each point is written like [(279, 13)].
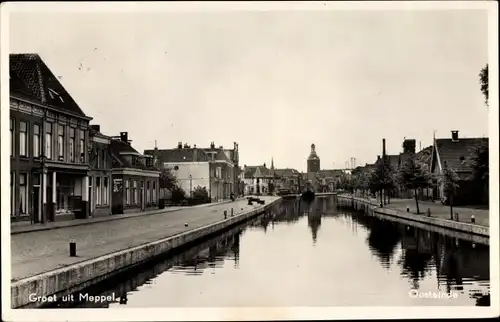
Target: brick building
[(48, 145), (100, 176), (135, 179)]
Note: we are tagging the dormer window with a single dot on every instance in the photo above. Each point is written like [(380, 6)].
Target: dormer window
[(53, 94)]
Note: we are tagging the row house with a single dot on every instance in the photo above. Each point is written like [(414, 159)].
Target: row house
[(287, 180), (457, 153), (328, 179), (100, 176), (215, 168), (48, 145), (135, 178)]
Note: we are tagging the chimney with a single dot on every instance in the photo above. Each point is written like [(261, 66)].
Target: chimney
[(96, 127), (409, 146), (378, 157), (194, 146), (383, 148), (212, 145), (124, 137), (454, 136), (179, 145)]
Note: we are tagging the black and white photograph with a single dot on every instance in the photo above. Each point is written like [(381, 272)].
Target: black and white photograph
[(249, 160)]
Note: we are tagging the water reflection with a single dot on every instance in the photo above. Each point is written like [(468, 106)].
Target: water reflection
[(421, 259)]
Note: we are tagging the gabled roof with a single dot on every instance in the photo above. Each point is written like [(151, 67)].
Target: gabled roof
[(179, 155), (330, 173), (119, 150), (20, 89), (458, 153), (41, 83), (258, 171), (287, 172)]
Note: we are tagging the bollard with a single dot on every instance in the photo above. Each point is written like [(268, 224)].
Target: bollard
[(456, 216), (185, 224), (428, 212), (72, 248), (232, 212), (472, 219), (225, 214), (407, 209)]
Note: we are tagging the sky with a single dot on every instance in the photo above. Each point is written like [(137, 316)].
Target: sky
[(273, 81)]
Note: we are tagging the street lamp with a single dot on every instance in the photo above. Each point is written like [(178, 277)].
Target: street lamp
[(190, 186)]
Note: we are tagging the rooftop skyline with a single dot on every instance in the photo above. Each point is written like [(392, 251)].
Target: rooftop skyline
[(275, 82)]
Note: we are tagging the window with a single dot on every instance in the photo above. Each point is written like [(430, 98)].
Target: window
[(71, 144), (98, 191), (12, 194), (23, 194), (154, 192), (98, 158), (36, 141), (135, 192), (60, 141), (82, 146), (127, 192), (104, 159), (106, 191), (48, 141), (23, 144), (148, 200), (11, 137)]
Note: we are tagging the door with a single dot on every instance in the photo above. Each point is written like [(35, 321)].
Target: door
[(36, 205), (50, 205), (89, 204), (143, 191)]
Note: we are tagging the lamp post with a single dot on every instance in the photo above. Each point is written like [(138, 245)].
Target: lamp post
[(190, 186)]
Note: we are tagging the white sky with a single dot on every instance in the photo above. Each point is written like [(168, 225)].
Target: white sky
[(274, 82)]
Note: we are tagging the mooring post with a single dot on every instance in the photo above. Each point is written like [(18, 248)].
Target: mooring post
[(456, 216), (472, 219), (232, 212), (407, 208), (225, 214), (72, 248), (428, 212)]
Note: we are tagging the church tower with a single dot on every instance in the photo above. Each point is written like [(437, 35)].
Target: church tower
[(313, 164)]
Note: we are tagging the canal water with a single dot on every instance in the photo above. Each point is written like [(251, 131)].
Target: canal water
[(314, 254)]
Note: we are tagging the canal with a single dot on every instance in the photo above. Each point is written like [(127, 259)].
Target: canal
[(314, 254)]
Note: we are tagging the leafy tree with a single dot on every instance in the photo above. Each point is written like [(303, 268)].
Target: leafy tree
[(178, 194), (167, 179), (413, 175), (381, 179), (483, 81), (200, 193), (449, 179), (479, 164)]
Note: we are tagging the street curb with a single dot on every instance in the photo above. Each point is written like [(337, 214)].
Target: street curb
[(31, 229)]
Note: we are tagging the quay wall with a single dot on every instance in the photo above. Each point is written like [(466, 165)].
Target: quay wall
[(372, 207), (66, 280)]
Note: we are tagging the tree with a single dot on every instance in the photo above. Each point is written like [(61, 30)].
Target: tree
[(200, 193), (413, 175), (479, 164), (483, 81), (167, 179), (178, 194), (381, 179), (449, 179)]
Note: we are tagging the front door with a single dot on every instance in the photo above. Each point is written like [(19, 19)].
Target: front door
[(36, 204), (50, 205)]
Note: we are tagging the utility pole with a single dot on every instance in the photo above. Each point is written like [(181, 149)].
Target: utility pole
[(190, 186)]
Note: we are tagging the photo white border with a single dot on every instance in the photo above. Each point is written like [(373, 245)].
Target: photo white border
[(243, 314)]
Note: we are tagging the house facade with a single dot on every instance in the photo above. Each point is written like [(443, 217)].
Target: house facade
[(135, 179), (100, 177), (212, 168), (456, 152), (258, 180), (287, 180), (48, 145)]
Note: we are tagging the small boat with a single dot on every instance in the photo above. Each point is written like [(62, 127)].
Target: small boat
[(308, 195)]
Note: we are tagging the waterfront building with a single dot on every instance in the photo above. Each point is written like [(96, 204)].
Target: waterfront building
[(100, 177), (213, 168), (135, 178), (458, 152), (48, 145), (258, 180)]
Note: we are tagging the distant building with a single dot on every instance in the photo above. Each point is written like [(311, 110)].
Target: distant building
[(258, 180), (287, 179), (135, 178), (321, 180), (213, 168)]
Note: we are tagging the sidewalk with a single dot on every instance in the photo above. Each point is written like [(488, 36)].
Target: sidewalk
[(438, 210), (26, 226), (41, 251)]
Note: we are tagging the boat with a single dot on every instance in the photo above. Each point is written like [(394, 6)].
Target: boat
[(308, 195)]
